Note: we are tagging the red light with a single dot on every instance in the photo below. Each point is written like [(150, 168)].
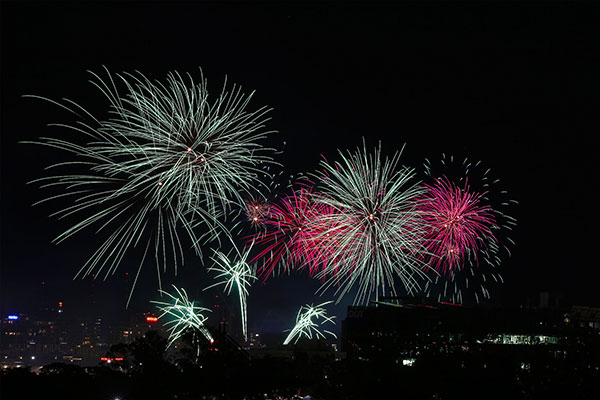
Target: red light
[(60, 303), (111, 358), (151, 319), (451, 304), (212, 341)]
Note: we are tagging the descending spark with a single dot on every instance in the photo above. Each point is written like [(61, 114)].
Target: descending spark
[(169, 158), (236, 273), (306, 323), (374, 233), (184, 316)]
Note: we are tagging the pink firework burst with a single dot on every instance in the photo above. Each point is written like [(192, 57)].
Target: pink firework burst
[(289, 240), (459, 227)]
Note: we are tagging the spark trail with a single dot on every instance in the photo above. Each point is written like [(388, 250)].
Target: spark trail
[(373, 234), (184, 316), (235, 273), (307, 323), (169, 161)]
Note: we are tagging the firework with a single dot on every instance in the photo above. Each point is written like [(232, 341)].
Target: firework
[(236, 273), (290, 231), (467, 223), (458, 225), (184, 316), (257, 206), (307, 323), (257, 212), (168, 159), (374, 233)]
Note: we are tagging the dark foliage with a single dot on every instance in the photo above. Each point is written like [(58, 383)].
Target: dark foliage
[(224, 371)]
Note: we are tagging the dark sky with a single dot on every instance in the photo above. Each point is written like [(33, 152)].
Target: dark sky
[(486, 81)]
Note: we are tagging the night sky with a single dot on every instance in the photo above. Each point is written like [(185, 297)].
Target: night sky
[(489, 82)]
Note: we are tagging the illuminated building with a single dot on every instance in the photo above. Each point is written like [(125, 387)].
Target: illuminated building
[(254, 341), (401, 333), (57, 336)]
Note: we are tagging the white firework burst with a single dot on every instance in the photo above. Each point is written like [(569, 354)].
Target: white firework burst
[(168, 159)]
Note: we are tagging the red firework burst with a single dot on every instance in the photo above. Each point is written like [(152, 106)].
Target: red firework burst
[(459, 228), (290, 239)]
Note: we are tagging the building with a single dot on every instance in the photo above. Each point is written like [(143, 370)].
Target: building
[(403, 331), (56, 336)]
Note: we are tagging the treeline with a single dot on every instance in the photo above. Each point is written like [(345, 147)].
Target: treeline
[(145, 370)]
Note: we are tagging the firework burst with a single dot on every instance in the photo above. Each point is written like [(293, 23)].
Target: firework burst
[(467, 225), (307, 323), (289, 240), (373, 234), (169, 158), (184, 316), (238, 274), (458, 225), (256, 209), (257, 212)]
